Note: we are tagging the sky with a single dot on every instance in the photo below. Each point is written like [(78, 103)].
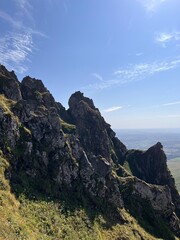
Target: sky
[(124, 54)]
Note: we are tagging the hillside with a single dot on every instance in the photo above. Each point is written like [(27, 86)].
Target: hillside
[(174, 166), (65, 175), (40, 217)]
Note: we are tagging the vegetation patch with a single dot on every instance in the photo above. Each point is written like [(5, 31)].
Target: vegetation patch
[(67, 128), (127, 167), (6, 104)]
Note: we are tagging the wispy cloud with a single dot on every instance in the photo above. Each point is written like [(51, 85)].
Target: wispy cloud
[(139, 54), (97, 76), (164, 37), (24, 4), (66, 4), (112, 109), (171, 103), (144, 69), (151, 5), (25, 8), (14, 50), (135, 72), (6, 17), (17, 45)]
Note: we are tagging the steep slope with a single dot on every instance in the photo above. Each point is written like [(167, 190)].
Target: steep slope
[(41, 217), (71, 160)]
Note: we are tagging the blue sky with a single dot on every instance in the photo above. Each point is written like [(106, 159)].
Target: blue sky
[(124, 54)]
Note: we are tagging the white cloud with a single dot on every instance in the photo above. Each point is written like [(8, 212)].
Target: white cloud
[(151, 5), (112, 109), (165, 37), (16, 45), (97, 76), (15, 49), (172, 103), (142, 70), (135, 72)]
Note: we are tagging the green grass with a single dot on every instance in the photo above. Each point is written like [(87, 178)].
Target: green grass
[(31, 215), (52, 220), (127, 167), (174, 166), (67, 128), (40, 217), (6, 104)]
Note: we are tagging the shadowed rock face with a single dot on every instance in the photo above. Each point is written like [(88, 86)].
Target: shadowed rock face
[(34, 90), (151, 166), (95, 134), (9, 85), (77, 150)]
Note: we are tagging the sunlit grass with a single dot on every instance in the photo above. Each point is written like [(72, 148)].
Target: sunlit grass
[(174, 166)]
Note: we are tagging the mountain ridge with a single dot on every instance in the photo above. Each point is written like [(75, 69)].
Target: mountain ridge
[(53, 152)]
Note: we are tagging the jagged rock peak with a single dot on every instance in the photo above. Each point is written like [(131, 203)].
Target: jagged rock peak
[(34, 90), (151, 166), (9, 85), (77, 97), (34, 84), (95, 134), (158, 146), (5, 72), (31, 86)]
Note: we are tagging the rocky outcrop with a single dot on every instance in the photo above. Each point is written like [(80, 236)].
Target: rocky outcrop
[(151, 166), (52, 150), (95, 134), (9, 85), (156, 197), (33, 90), (9, 127)]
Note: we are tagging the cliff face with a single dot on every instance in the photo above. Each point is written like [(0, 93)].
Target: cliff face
[(54, 151), (94, 133)]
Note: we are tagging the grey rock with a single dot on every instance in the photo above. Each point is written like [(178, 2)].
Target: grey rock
[(9, 85)]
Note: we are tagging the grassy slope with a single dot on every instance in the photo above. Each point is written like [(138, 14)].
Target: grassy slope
[(174, 166), (46, 219)]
